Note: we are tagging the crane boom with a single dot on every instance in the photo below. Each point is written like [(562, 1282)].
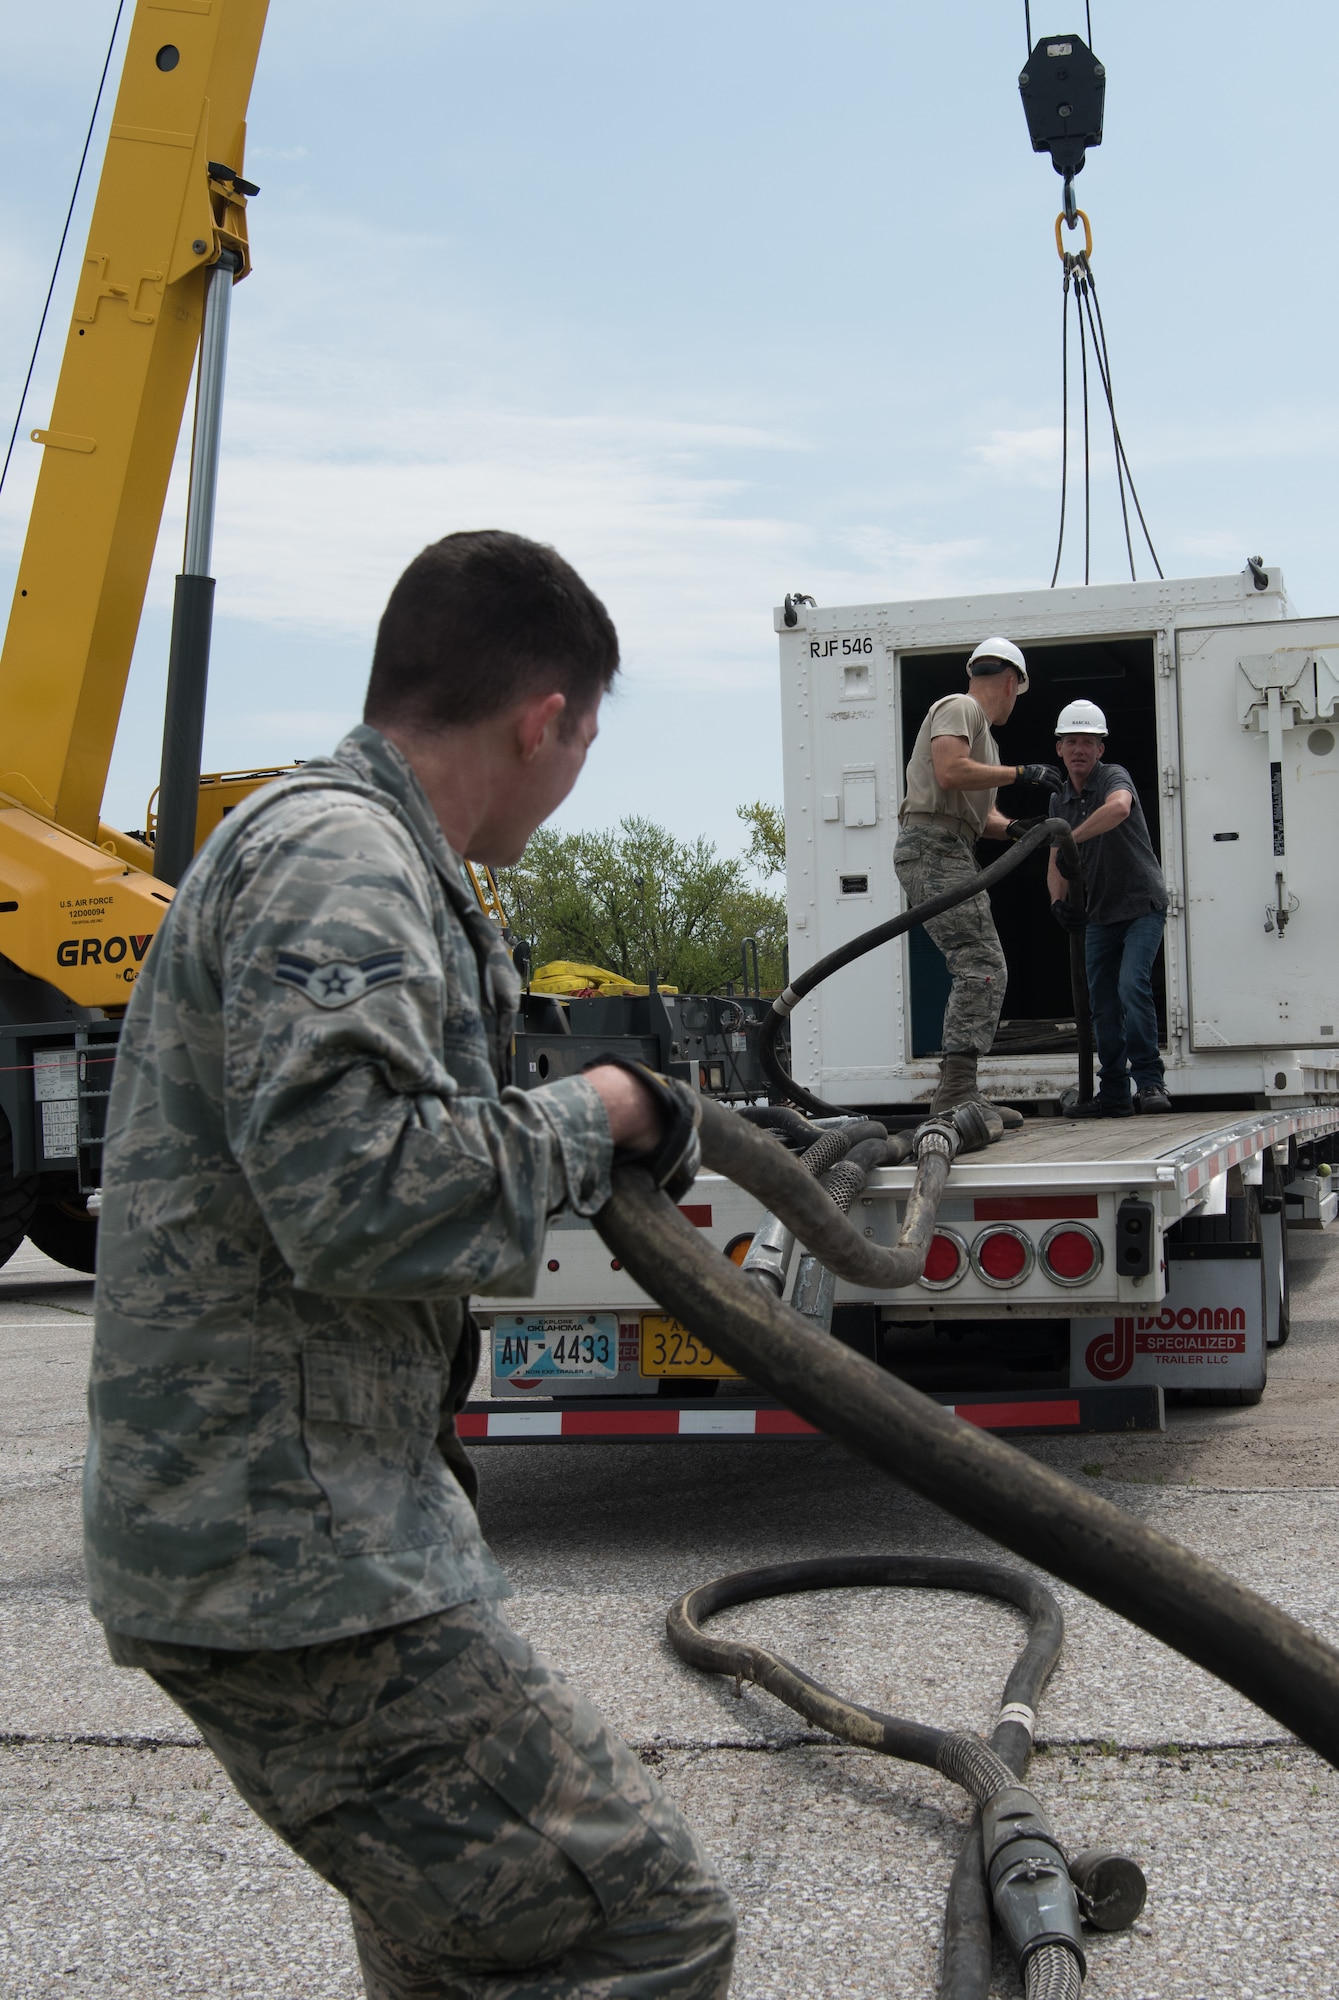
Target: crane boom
[(167, 206)]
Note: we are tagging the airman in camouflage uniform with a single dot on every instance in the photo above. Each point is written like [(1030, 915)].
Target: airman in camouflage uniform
[(930, 860), (309, 1165), (948, 805)]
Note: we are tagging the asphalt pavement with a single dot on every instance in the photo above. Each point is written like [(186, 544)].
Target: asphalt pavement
[(130, 1869)]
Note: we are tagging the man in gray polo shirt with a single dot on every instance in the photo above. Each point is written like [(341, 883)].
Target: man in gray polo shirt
[(952, 776), (1126, 909)]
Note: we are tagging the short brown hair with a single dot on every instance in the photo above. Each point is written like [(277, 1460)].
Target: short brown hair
[(479, 621)]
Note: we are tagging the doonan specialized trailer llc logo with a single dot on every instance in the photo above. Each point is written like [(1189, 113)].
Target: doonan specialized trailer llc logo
[(1190, 1334)]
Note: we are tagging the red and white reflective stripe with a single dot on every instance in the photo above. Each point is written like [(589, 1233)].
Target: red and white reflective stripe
[(496, 1426), (669, 1422), (1217, 1163), (1062, 1410)]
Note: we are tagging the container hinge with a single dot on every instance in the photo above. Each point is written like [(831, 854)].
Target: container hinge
[(1176, 1020), (1171, 780), (1164, 656), (1174, 902)]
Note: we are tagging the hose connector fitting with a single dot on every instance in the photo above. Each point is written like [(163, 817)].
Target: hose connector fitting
[(937, 1135), (1029, 1877), (769, 1254), (977, 1124)]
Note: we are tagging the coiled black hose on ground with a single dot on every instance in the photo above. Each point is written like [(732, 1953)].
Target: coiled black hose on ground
[(1051, 832), (983, 1770), (1132, 1569), (1143, 1575)]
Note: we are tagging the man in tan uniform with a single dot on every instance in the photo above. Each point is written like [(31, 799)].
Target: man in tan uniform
[(952, 777)]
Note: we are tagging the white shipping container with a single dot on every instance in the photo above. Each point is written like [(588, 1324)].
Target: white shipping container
[(1222, 707)]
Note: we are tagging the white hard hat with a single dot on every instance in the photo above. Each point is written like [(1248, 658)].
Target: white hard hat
[(993, 655), (1081, 718)]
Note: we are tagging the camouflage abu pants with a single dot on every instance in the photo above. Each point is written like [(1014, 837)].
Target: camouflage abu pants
[(495, 1840), (928, 860)]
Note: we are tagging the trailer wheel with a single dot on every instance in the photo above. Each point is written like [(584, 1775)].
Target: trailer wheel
[(18, 1198), (1225, 1399), (1274, 1228), (1285, 1294), (64, 1230)]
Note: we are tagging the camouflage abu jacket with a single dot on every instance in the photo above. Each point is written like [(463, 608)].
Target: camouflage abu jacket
[(308, 1167)]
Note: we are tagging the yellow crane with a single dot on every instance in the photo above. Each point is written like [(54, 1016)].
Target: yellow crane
[(80, 900)]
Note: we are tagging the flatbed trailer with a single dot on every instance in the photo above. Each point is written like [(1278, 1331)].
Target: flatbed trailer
[(1081, 1272)]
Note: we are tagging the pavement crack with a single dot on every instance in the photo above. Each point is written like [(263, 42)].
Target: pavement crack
[(16, 1739)]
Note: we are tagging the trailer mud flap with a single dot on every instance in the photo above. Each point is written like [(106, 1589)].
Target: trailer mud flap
[(1207, 1332)]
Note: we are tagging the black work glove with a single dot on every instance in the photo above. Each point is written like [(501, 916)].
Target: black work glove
[(674, 1160), (1018, 827), (1041, 774), (1068, 915)]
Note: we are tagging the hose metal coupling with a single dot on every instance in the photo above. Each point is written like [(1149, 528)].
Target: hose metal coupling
[(977, 1124), (1028, 1875), (937, 1135)]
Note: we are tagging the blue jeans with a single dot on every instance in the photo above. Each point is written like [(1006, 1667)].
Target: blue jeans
[(1119, 960)]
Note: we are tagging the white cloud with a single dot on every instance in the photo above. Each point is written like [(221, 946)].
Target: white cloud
[(896, 567), (1030, 455), (318, 545)]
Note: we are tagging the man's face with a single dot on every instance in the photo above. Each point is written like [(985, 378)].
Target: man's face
[(545, 775), (1079, 755)]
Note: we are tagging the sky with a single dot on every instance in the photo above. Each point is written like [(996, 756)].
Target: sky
[(723, 300)]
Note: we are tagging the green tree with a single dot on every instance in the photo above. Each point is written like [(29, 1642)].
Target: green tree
[(767, 837), (637, 900)]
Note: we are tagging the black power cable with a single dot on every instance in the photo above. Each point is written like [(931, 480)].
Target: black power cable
[(1115, 1558), (968, 1955), (60, 252), (1051, 831)]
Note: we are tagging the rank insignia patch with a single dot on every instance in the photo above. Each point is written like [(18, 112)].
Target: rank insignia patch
[(338, 981)]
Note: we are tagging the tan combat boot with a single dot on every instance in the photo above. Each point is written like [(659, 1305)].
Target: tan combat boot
[(958, 1085)]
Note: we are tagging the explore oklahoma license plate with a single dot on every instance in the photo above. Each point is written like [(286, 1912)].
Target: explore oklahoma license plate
[(564, 1345), (668, 1349)]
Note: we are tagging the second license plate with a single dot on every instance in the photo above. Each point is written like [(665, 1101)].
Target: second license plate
[(668, 1350), (554, 1345)]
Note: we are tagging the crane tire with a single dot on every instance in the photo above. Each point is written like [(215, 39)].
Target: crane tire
[(65, 1231), (18, 1198)]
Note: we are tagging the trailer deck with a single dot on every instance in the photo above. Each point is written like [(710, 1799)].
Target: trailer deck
[(1179, 1151)]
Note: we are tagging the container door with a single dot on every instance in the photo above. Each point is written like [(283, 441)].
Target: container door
[(1260, 785)]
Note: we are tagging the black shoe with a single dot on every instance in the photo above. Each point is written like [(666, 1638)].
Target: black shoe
[(1102, 1107), (1152, 1097)]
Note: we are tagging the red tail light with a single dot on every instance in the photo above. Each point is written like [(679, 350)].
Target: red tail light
[(1071, 1254), (947, 1261), (1003, 1256)]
